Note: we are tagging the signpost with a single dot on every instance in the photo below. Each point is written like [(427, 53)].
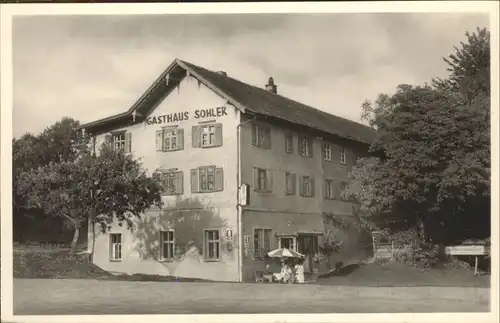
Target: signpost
[(468, 250)]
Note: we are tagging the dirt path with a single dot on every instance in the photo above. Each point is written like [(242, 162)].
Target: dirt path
[(31, 296)]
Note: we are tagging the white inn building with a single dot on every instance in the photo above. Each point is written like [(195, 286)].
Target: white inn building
[(246, 170)]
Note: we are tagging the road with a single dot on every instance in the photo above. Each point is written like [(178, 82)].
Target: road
[(91, 297)]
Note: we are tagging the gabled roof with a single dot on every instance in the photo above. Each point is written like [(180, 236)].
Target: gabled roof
[(247, 98)]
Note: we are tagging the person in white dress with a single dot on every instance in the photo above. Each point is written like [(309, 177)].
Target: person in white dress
[(299, 271)]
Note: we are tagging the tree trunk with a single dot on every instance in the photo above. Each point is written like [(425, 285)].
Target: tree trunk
[(93, 241), (74, 242)]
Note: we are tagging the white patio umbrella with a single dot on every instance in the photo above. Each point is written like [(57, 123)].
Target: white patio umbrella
[(284, 253)]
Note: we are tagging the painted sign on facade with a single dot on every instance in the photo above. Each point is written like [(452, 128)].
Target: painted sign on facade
[(183, 116)]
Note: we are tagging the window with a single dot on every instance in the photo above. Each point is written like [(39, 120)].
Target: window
[(307, 186), (173, 182), (290, 182), (115, 246), (263, 180), (207, 179), (289, 143), (169, 139), (262, 242), (329, 189), (306, 146), (343, 188), (342, 155), (287, 242), (120, 141), (212, 244), (327, 152), (206, 136), (261, 136), (167, 244)]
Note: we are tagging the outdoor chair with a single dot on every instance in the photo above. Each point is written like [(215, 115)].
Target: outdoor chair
[(259, 276)]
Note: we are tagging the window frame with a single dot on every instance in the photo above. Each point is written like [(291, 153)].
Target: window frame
[(167, 242), (289, 142), (306, 146), (311, 186), (343, 156), (268, 180), (259, 249), (206, 245), (343, 185), (327, 151), (289, 237), (209, 133), (172, 175), (293, 177), (118, 137), (261, 136), (332, 188), (173, 134), (112, 251), (202, 175)]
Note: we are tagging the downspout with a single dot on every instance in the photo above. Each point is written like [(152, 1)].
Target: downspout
[(238, 205)]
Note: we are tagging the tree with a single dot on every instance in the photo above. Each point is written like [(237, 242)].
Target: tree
[(105, 188), (431, 164)]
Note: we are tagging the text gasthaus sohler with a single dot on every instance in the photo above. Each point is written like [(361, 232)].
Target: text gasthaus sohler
[(182, 116)]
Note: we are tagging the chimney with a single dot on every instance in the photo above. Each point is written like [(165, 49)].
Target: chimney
[(222, 73), (270, 86)]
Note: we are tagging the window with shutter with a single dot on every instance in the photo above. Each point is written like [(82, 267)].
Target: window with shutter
[(208, 135), (327, 152), (329, 190), (342, 155), (118, 140), (288, 143), (262, 242), (263, 180), (307, 186), (343, 191), (290, 183), (169, 139), (208, 179), (261, 136), (306, 146), (173, 182)]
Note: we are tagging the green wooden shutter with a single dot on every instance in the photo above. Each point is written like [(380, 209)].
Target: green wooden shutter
[(310, 142), (218, 134), (159, 140), (325, 188), (255, 178), (294, 183), (336, 190), (179, 182), (269, 180), (301, 185), (180, 139), (195, 134), (254, 134), (128, 142), (312, 186), (267, 141), (219, 179), (301, 145), (195, 181)]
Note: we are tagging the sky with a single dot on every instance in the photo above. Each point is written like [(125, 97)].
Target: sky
[(90, 67)]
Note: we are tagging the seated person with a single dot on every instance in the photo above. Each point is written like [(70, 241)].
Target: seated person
[(268, 274)]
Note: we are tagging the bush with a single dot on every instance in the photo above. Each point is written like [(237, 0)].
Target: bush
[(409, 250)]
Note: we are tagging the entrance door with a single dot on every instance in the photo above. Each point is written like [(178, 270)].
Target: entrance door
[(307, 245)]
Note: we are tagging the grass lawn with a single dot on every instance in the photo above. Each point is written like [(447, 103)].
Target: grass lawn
[(43, 263), (397, 274)]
